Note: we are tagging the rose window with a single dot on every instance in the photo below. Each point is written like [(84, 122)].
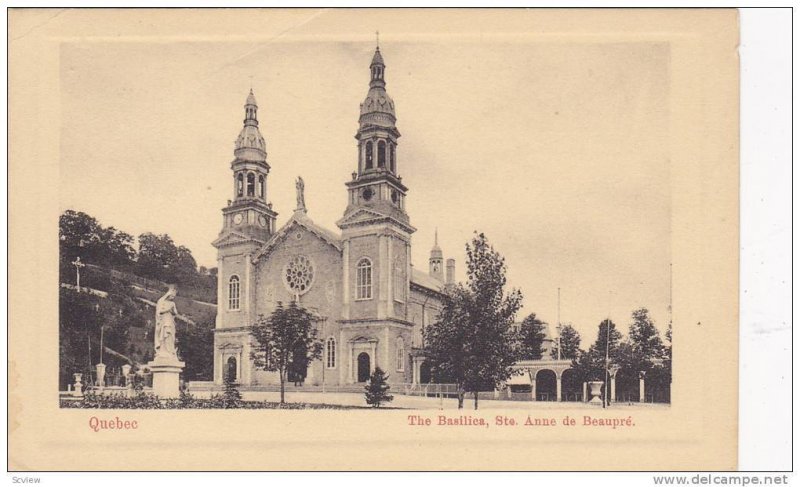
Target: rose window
[(299, 275)]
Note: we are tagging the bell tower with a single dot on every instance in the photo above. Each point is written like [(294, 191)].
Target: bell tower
[(376, 231), (376, 184), (248, 221), (248, 212)]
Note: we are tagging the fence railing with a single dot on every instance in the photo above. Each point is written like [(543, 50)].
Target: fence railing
[(428, 390)]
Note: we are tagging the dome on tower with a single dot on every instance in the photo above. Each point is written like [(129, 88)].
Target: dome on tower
[(378, 107), (377, 101), (250, 138), (250, 145)]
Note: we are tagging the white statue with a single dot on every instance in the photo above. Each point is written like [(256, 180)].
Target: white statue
[(300, 186), (165, 325)]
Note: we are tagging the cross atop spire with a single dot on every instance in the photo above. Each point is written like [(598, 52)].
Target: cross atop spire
[(436, 260), (436, 251), (377, 40)]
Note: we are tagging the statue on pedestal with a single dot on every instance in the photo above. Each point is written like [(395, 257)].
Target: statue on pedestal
[(300, 187), (165, 325), (165, 366)]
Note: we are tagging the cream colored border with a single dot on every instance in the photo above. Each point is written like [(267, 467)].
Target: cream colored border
[(699, 431)]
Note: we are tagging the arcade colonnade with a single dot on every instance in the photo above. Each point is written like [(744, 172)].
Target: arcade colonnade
[(542, 376), (535, 371)]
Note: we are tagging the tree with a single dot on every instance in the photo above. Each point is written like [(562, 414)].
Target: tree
[(280, 337), (196, 347), (473, 342), (231, 397), (377, 390), (650, 357), (660, 376), (160, 258), (531, 335), (646, 344), (81, 235), (569, 342)]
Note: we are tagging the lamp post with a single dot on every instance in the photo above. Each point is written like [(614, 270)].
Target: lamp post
[(558, 325), (608, 339), (101, 367)]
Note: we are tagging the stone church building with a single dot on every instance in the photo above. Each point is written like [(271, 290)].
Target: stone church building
[(371, 304)]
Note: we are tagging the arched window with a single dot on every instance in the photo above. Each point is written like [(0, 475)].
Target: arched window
[(330, 353), (401, 355), (240, 185), (364, 279), (251, 184), (391, 158), (381, 154), (368, 156), (233, 293), (261, 187)]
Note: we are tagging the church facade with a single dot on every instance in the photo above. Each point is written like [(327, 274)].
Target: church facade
[(371, 304)]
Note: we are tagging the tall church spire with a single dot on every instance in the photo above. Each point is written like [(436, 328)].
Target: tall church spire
[(249, 212), (376, 184), (377, 133), (436, 258)]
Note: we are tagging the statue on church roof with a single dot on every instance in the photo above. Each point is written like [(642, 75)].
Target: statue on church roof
[(301, 199)]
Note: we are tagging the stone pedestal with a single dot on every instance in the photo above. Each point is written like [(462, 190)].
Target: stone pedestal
[(101, 375), (78, 390), (594, 390), (126, 371), (166, 376)]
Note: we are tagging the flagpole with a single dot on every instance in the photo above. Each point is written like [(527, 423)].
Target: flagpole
[(558, 325)]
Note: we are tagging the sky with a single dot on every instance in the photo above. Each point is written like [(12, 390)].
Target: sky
[(557, 150)]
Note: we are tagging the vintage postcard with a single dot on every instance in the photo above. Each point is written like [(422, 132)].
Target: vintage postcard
[(373, 239)]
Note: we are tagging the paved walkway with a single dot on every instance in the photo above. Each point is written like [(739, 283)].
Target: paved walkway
[(416, 402)]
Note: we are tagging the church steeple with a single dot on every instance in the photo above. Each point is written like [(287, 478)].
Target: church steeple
[(377, 133), (376, 231), (376, 184), (436, 259), (248, 212)]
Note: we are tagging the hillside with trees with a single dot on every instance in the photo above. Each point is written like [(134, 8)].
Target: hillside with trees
[(120, 281)]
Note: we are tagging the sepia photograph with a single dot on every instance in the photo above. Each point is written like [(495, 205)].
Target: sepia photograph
[(362, 235), (229, 292)]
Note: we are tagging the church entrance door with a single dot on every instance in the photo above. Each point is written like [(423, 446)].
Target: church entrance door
[(363, 367), (230, 372)]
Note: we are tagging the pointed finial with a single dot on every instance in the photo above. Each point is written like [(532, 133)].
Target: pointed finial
[(436, 249), (377, 40)]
